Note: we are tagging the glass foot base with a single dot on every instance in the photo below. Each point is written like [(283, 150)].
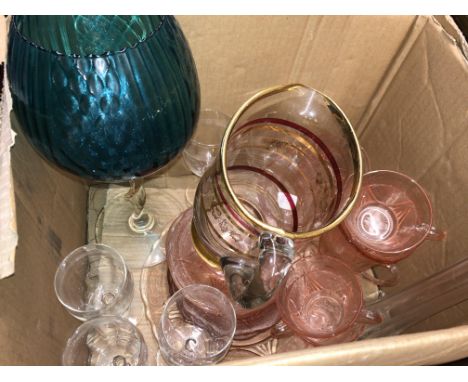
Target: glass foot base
[(134, 238), (141, 224)]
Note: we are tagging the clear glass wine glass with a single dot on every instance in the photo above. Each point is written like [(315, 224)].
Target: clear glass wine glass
[(92, 281), (203, 147), (105, 341), (197, 326)]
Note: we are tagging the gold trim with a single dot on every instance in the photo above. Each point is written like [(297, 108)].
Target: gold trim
[(212, 260), (238, 205)]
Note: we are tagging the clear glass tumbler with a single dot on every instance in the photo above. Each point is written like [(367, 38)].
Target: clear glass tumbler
[(197, 326), (105, 341), (93, 281)]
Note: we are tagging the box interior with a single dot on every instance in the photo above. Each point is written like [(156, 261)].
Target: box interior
[(402, 82)]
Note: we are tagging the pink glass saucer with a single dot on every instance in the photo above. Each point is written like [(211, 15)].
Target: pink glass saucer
[(352, 334)]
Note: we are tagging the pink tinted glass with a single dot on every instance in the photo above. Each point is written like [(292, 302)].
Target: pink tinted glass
[(286, 159), (391, 218), (187, 267), (320, 298)]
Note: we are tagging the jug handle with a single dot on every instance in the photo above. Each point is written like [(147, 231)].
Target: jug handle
[(281, 330), (436, 234), (251, 281)]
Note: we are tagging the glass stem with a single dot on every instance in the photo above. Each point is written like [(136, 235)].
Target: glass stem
[(140, 220)]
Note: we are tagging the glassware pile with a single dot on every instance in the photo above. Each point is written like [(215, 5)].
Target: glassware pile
[(287, 216), (285, 225), (290, 264)]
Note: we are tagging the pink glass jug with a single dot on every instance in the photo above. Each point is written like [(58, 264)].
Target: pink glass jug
[(278, 180)]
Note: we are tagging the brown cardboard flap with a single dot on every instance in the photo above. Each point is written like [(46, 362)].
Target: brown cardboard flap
[(343, 56), (57, 201), (405, 48), (420, 127), (33, 325), (51, 221), (455, 33), (430, 348)]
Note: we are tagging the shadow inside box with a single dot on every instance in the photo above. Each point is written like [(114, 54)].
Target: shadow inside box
[(460, 362)]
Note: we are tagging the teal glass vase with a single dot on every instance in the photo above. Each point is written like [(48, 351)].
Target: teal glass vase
[(107, 98)]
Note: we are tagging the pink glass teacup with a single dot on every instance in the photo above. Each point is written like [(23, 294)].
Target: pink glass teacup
[(321, 300), (391, 218)]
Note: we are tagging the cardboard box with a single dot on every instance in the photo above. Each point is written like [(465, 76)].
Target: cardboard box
[(402, 81)]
